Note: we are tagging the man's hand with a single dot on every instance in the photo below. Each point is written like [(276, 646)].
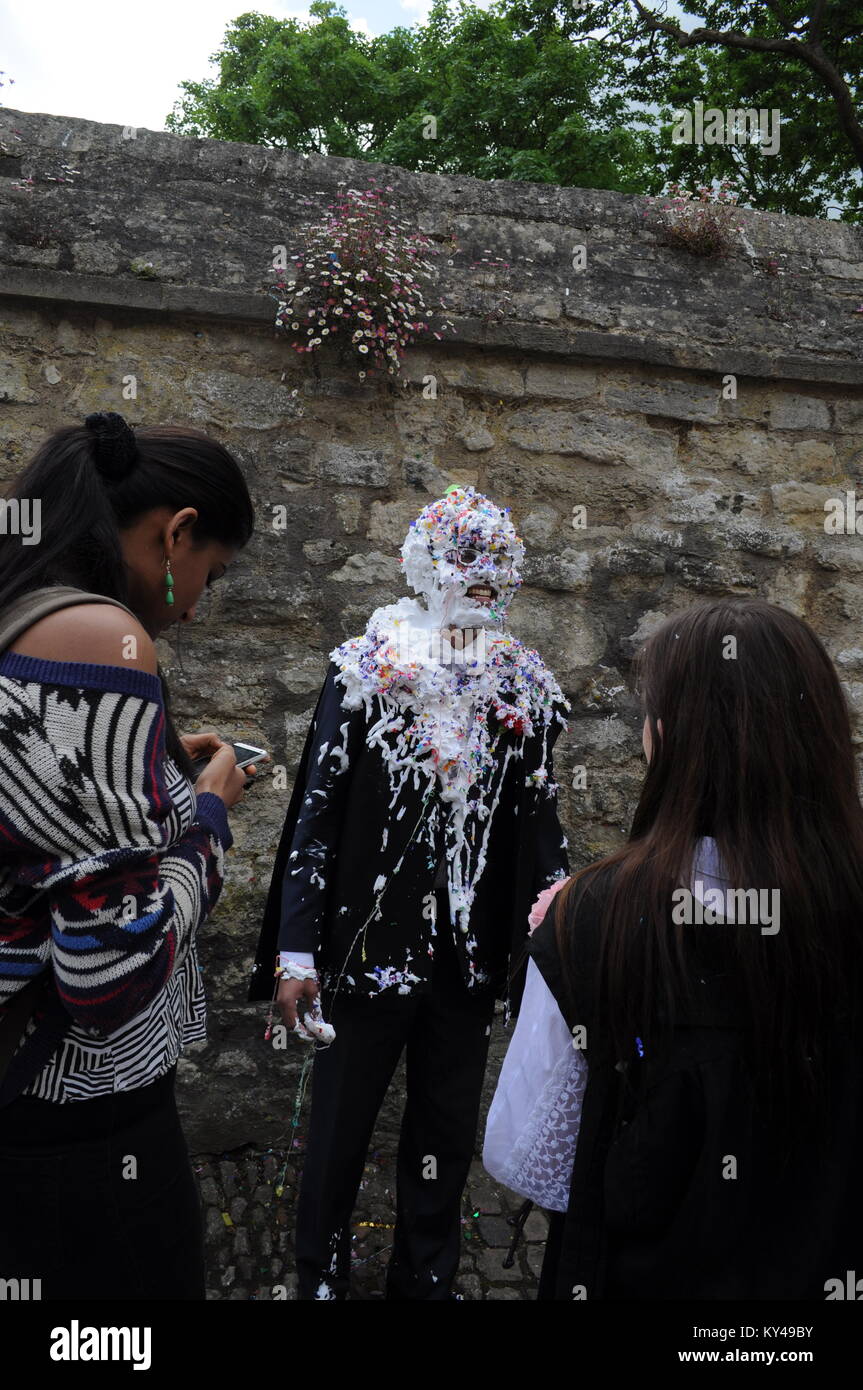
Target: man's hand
[(288, 994)]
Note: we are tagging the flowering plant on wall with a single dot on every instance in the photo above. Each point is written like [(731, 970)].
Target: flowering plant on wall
[(361, 280), (700, 221)]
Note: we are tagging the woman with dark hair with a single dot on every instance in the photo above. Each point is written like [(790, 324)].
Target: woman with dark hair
[(109, 859), (684, 1087)]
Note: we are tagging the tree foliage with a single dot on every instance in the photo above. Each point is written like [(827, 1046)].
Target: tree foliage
[(803, 58), (508, 104), (556, 91)]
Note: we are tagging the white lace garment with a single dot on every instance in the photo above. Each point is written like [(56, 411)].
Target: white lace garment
[(534, 1119), (533, 1123)]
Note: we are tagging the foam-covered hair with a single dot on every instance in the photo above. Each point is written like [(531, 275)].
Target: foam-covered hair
[(462, 517)]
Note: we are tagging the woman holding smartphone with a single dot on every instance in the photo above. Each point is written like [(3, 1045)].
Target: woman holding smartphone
[(110, 858)]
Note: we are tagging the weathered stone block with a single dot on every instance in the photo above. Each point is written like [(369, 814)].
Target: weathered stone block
[(561, 381), (585, 434), (632, 559), (757, 452), (246, 401), (541, 526), (292, 457), (848, 415), (389, 523), (838, 552), (570, 635), (763, 540), (682, 400), (373, 568), (14, 386), (324, 552), (341, 463), (476, 438), (490, 379), (800, 413), (569, 570), (805, 499), (607, 740)]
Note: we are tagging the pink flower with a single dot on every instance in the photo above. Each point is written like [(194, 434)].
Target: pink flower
[(540, 907)]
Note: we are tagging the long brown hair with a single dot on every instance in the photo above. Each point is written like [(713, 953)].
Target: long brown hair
[(756, 752)]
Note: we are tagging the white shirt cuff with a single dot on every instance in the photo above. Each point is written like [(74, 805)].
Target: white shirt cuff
[(304, 958)]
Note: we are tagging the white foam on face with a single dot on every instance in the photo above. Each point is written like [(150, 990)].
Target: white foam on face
[(428, 717), (463, 520)]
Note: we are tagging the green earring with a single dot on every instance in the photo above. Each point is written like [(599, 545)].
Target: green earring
[(169, 584)]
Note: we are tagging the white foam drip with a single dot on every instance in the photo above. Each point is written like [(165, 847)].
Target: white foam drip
[(429, 720)]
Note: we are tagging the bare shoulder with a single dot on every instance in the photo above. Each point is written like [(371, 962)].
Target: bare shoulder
[(97, 633)]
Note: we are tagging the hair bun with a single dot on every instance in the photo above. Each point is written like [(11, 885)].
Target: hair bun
[(115, 449)]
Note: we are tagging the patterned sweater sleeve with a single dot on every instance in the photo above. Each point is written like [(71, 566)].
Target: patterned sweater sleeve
[(85, 816)]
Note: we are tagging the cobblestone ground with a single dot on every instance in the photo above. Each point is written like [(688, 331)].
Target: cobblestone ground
[(249, 1229)]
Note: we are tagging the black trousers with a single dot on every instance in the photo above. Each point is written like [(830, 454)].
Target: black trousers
[(446, 1034), (98, 1198)]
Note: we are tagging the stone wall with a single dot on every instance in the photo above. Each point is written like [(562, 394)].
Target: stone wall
[(605, 388)]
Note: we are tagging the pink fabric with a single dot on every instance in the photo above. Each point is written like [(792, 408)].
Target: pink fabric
[(540, 907)]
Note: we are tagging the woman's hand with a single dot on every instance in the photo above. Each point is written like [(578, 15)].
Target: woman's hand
[(207, 745), (201, 745), (221, 776)]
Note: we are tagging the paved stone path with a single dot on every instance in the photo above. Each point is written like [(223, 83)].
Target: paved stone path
[(249, 1229)]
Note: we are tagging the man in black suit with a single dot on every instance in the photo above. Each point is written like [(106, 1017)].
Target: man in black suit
[(421, 828)]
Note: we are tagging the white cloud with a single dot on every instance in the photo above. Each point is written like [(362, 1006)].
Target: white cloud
[(421, 8), (117, 63)]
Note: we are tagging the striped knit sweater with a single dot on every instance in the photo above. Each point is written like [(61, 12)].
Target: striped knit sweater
[(108, 866)]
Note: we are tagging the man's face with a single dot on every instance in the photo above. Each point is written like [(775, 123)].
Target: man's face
[(462, 556), (488, 581)]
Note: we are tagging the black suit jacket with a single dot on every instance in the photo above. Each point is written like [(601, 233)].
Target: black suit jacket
[(342, 842)]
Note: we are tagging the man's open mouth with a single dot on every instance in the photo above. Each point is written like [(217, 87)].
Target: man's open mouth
[(484, 593)]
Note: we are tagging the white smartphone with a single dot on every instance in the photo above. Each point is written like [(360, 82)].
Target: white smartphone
[(246, 753)]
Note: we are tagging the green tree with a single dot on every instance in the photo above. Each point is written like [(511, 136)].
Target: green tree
[(572, 92), (802, 57), (286, 83), (508, 103)]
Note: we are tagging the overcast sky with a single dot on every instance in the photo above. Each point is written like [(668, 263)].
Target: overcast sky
[(122, 63), (107, 61)]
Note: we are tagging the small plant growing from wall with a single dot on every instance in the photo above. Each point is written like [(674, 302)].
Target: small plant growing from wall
[(778, 298), (361, 281), (492, 273), (699, 221), (24, 228)]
